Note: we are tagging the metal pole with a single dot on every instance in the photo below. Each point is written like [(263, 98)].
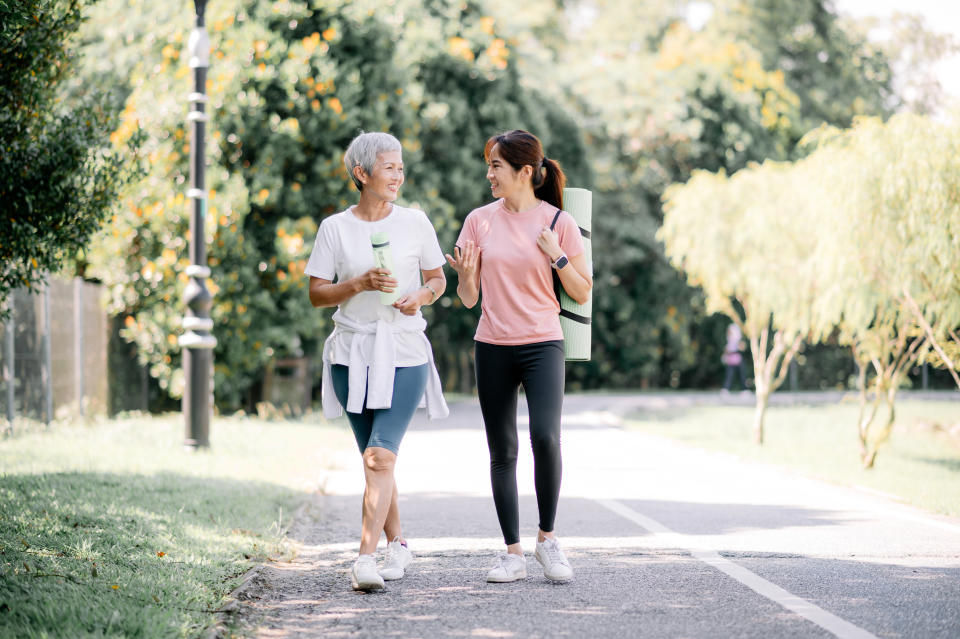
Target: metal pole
[(10, 371), (197, 341), (47, 375)]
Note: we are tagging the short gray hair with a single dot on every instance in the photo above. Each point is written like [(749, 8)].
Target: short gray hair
[(363, 152)]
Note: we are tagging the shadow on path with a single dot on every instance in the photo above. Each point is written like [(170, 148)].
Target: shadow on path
[(625, 584)]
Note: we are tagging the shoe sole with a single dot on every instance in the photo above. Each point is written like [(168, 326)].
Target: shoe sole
[(386, 576), (505, 580), (365, 586), (559, 580)]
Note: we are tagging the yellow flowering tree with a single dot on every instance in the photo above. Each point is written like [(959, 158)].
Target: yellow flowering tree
[(290, 84)]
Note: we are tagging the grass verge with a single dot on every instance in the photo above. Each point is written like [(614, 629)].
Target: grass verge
[(919, 464), (114, 530)]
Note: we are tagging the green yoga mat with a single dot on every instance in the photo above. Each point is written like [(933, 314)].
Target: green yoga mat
[(575, 318)]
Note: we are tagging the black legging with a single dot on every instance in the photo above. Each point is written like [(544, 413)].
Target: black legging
[(500, 372)]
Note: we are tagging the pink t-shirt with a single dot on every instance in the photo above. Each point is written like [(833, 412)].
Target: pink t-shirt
[(517, 302)]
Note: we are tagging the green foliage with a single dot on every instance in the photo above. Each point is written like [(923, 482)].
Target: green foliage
[(855, 242), (59, 173), (290, 85), (667, 101), (914, 52), (837, 73), (292, 82), (661, 101)]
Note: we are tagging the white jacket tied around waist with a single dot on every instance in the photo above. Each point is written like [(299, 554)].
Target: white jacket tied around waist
[(376, 386)]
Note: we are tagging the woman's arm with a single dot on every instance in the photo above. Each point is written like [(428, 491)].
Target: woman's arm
[(575, 276), (434, 283), (325, 293), (466, 262)]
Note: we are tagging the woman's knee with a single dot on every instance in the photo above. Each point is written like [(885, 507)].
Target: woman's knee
[(376, 459), (503, 453), (546, 442)]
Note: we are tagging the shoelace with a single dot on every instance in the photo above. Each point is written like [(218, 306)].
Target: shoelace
[(554, 554), (391, 556)]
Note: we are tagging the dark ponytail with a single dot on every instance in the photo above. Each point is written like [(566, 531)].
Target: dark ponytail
[(519, 148)]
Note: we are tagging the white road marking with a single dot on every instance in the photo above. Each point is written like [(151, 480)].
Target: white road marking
[(828, 621)]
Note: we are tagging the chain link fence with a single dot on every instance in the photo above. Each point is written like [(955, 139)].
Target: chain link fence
[(54, 354)]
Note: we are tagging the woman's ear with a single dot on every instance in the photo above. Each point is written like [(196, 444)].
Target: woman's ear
[(360, 174)]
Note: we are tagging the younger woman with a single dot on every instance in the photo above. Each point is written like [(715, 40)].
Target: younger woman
[(506, 255)]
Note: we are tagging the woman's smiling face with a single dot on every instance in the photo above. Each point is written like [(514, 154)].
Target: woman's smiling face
[(504, 179), (387, 176)]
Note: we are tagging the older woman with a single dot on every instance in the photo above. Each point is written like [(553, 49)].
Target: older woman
[(378, 362)]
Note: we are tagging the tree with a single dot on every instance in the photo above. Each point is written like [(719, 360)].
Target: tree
[(659, 100), (59, 174), (888, 264), (913, 51), (729, 236), (923, 187), (855, 241), (834, 69), (290, 84)]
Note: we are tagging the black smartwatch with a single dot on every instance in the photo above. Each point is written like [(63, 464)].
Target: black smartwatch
[(561, 261)]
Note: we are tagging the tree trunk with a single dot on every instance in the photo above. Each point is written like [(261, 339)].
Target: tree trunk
[(888, 399), (864, 419), (758, 415), (766, 380), (871, 446)]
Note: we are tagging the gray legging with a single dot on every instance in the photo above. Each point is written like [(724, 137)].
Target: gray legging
[(501, 370)]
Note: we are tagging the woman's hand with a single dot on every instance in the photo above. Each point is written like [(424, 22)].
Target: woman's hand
[(464, 261), (410, 303), (378, 279), (549, 243)]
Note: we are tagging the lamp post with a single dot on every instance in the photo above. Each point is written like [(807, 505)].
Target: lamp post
[(196, 340)]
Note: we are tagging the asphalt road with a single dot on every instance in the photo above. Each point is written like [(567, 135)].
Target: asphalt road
[(665, 541)]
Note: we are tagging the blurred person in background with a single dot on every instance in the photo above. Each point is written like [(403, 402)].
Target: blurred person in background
[(732, 358)]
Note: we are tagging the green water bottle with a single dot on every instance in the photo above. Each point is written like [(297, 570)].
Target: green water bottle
[(383, 258)]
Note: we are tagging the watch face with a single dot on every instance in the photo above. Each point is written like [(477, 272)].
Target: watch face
[(561, 262)]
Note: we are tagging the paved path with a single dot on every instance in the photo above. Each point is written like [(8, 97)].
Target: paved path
[(666, 541)]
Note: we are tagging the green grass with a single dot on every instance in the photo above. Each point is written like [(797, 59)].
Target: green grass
[(919, 464), (114, 530)]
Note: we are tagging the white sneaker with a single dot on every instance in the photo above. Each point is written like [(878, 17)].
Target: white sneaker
[(398, 558), (554, 562), (363, 575), (509, 568)]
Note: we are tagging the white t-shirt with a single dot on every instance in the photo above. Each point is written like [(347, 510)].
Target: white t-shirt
[(343, 250)]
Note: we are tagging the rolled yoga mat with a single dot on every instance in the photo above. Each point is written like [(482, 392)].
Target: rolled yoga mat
[(575, 318)]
